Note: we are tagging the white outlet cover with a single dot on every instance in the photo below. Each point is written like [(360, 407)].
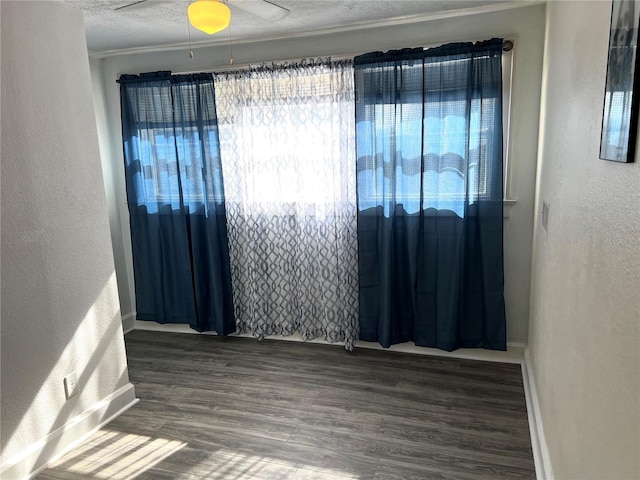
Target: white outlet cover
[(545, 216), (71, 385)]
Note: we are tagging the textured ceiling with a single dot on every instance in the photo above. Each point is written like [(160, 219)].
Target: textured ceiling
[(158, 23)]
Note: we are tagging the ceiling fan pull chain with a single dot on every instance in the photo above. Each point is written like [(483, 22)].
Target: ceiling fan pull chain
[(189, 31), (230, 47)]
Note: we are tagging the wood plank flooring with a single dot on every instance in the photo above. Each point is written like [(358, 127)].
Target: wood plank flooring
[(235, 408)]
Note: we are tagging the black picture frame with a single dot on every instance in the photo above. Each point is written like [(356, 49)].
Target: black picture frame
[(620, 110)]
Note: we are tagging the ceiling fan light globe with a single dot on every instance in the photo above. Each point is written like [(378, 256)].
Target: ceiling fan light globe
[(210, 16)]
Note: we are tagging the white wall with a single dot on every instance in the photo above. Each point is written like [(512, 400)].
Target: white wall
[(60, 309), (526, 23), (112, 176), (584, 340)]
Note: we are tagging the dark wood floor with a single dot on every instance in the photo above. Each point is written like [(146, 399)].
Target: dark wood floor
[(235, 408)]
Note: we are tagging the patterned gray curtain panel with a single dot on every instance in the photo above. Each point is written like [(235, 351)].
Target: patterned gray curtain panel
[(288, 153)]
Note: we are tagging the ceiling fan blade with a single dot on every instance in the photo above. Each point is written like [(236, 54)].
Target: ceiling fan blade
[(261, 8), (132, 4)]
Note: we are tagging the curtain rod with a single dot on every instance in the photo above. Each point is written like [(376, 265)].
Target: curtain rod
[(507, 46)]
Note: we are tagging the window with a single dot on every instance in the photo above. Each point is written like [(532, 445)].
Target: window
[(444, 151), (426, 128), (172, 149), (287, 136)]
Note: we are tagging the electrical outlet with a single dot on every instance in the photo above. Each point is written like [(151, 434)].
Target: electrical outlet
[(545, 216), (71, 385)]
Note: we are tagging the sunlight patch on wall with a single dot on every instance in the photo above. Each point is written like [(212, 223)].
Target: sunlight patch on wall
[(97, 336)]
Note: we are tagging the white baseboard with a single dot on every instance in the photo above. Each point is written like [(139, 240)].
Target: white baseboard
[(41, 454), (128, 322), (538, 442), (514, 353)]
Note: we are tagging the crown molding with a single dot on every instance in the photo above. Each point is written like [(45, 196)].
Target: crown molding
[(397, 21)]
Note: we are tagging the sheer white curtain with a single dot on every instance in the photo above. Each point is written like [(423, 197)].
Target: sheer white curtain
[(288, 152)]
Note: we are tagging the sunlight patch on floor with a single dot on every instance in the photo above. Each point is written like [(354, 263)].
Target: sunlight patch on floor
[(227, 464), (114, 455)]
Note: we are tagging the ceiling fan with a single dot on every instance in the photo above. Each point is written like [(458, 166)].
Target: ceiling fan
[(264, 9), (212, 16)]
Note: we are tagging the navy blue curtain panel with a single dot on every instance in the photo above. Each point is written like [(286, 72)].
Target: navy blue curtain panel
[(430, 190), (176, 200)]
